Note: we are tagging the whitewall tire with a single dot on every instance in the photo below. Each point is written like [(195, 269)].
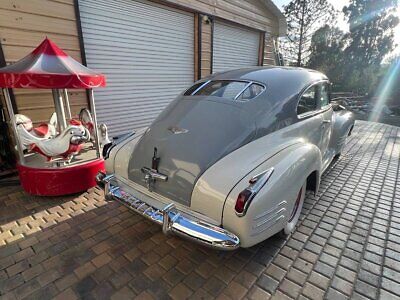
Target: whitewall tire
[(296, 211)]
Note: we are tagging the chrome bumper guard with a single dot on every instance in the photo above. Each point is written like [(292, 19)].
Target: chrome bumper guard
[(170, 218)]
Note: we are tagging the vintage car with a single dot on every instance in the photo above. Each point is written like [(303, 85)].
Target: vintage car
[(228, 162)]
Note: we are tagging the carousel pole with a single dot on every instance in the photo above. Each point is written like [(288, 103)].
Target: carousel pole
[(67, 105), (96, 134), (14, 126), (59, 106)]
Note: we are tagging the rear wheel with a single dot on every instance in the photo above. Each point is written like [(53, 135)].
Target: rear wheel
[(295, 214)]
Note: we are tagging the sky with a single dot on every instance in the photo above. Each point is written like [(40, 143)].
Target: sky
[(338, 4)]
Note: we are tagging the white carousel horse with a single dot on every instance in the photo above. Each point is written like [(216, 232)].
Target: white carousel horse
[(49, 130), (86, 118), (44, 130), (65, 145)]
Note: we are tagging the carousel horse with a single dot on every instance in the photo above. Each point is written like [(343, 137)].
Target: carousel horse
[(65, 145), (86, 118), (44, 130)]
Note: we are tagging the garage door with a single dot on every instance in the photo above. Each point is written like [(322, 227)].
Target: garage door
[(234, 47), (146, 51)]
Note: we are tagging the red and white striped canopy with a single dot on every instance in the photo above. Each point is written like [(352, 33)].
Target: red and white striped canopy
[(48, 67)]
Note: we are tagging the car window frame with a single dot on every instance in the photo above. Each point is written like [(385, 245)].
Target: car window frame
[(198, 88), (315, 87), (247, 87), (249, 83), (319, 108), (329, 94)]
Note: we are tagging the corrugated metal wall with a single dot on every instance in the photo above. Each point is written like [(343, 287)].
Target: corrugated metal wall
[(147, 52), (250, 13), (234, 47)]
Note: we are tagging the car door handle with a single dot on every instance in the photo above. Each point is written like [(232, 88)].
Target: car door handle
[(326, 121)]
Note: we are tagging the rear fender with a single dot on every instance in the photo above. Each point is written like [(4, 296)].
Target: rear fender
[(343, 122), (119, 155), (212, 188), (270, 209)]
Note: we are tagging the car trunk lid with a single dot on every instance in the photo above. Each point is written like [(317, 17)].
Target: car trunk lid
[(189, 136)]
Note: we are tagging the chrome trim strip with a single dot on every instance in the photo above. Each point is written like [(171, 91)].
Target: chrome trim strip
[(267, 220), (242, 91), (200, 87), (249, 83), (161, 200), (272, 210), (314, 112), (278, 219), (171, 220)]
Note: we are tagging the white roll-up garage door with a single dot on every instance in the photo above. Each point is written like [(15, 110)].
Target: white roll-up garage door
[(234, 47), (146, 51)]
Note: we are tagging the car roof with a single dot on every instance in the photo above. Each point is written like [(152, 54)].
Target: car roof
[(268, 73)]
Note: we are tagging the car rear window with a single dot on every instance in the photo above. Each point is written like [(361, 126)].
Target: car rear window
[(228, 89), (193, 88), (251, 92)]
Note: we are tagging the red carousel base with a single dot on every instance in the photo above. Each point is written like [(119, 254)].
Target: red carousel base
[(60, 181)]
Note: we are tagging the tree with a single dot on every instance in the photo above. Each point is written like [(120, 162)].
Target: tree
[(303, 17), (371, 38), (327, 53), (371, 33)]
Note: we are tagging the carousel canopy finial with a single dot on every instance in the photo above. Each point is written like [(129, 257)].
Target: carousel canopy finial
[(48, 67)]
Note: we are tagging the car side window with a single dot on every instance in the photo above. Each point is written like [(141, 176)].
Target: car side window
[(308, 101), (324, 94)]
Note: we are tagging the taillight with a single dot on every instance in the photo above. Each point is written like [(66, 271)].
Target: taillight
[(246, 196), (242, 200)]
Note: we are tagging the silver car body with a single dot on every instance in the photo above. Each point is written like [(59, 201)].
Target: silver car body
[(208, 148)]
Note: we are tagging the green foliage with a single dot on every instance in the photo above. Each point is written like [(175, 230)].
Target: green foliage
[(372, 26), (353, 61), (362, 80), (327, 53), (371, 36)]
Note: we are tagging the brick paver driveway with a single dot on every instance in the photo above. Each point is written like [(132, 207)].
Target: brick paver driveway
[(346, 246)]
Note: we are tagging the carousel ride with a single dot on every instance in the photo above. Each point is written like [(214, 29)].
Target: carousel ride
[(61, 156)]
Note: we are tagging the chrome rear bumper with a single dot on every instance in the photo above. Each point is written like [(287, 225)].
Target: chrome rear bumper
[(170, 218)]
